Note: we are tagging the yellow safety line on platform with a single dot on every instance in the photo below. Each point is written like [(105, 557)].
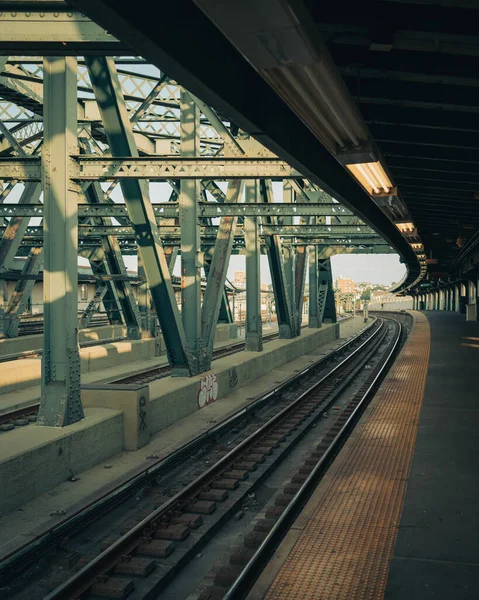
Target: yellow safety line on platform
[(345, 546)]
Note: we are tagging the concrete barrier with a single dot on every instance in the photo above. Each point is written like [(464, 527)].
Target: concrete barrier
[(35, 459), (173, 398), (29, 343), (132, 400), (17, 375)]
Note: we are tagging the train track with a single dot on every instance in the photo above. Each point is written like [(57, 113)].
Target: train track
[(151, 549)]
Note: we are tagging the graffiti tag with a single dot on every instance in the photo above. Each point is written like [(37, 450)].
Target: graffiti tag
[(208, 390)]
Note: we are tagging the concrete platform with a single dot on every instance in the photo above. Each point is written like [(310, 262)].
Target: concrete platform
[(17, 526), (436, 555), (395, 517)]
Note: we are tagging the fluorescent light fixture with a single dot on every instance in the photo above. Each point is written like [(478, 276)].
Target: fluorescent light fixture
[(282, 43), (417, 246), (405, 226), (371, 176)]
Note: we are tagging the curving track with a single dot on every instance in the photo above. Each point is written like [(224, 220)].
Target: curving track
[(152, 548)]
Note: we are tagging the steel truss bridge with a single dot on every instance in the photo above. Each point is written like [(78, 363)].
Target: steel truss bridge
[(92, 142)]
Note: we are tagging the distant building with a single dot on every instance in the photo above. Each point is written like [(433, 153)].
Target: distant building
[(345, 286), (240, 279)]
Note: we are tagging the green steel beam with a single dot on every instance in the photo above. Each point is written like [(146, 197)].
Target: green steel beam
[(190, 234), (112, 107), (172, 231), (40, 30), (254, 325), (205, 210), (214, 296), (275, 258), (18, 301), (314, 320), (153, 168), (60, 402)]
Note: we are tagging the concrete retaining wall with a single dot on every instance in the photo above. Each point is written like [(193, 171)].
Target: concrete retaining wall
[(174, 398), (34, 459), (28, 343), (16, 375)]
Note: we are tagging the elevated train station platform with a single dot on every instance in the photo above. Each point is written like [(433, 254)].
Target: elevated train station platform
[(395, 516)]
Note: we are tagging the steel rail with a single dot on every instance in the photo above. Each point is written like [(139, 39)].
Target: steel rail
[(245, 580), (13, 563), (81, 581)]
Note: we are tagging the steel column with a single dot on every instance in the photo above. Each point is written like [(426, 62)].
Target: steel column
[(146, 325), (112, 107), (115, 265), (60, 400), (190, 233), (254, 325), (289, 257), (275, 258), (325, 279), (214, 293), (314, 321), (22, 292)]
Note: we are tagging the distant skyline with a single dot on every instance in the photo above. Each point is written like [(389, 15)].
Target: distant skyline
[(374, 268), (383, 269)]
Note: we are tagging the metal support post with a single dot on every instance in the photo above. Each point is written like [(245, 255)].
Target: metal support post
[(60, 400), (254, 325), (119, 293), (18, 303), (190, 233), (326, 280), (289, 256), (301, 265), (284, 311), (144, 303), (314, 320), (214, 293), (106, 86)]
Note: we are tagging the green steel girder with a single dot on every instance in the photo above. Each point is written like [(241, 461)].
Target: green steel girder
[(284, 310), (214, 295), (19, 300), (60, 402), (42, 30), (205, 209), (190, 235), (115, 265), (153, 168), (309, 232), (120, 138), (327, 306)]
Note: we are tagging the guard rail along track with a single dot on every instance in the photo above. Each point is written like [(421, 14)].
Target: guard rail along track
[(152, 551)]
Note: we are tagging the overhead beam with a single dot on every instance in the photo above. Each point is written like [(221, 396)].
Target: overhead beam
[(205, 210), (153, 168), (333, 232), (53, 29)]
